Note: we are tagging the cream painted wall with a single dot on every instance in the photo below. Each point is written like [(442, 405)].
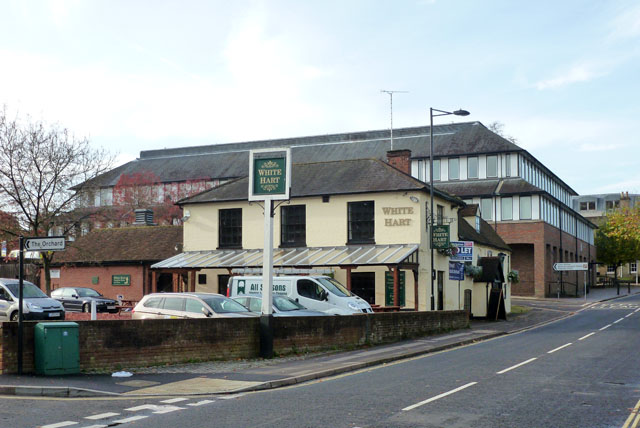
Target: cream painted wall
[(398, 220)]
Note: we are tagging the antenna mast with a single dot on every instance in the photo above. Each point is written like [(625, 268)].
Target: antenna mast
[(391, 108)]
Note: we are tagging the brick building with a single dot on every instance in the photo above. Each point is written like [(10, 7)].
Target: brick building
[(117, 261)]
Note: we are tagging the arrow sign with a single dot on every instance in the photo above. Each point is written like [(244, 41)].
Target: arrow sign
[(48, 243), (570, 266)]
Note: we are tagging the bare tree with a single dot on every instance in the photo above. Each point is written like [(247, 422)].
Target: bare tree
[(498, 128), (39, 164)]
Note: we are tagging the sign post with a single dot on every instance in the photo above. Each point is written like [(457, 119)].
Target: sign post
[(44, 243), (563, 267), (269, 180)]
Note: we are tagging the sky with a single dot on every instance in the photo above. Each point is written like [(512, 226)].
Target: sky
[(561, 76)]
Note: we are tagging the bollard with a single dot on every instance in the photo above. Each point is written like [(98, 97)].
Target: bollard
[(93, 310)]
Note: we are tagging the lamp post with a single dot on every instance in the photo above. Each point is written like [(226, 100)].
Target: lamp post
[(431, 217)]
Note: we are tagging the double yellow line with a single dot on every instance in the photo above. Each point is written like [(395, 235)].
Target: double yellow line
[(634, 416)]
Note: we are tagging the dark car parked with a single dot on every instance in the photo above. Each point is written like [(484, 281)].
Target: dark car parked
[(79, 299)]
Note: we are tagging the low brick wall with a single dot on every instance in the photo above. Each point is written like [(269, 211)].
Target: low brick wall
[(112, 345), (314, 334)]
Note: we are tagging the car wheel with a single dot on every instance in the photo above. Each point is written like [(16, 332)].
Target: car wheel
[(86, 308), (14, 316)]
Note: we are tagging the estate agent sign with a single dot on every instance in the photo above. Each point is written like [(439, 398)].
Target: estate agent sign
[(464, 251)]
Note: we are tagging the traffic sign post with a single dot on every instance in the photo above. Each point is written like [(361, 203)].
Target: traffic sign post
[(562, 267), (36, 243)]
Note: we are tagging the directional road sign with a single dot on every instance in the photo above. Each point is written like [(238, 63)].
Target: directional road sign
[(47, 243), (570, 266)]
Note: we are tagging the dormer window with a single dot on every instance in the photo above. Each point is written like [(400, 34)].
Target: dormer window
[(477, 223)]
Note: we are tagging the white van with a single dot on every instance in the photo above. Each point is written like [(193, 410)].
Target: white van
[(318, 293)]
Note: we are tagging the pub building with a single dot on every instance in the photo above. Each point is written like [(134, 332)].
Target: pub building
[(363, 222)]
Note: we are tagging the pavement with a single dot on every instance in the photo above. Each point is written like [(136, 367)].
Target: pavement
[(232, 377)]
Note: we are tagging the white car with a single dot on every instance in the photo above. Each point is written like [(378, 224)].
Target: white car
[(35, 304), (188, 305)]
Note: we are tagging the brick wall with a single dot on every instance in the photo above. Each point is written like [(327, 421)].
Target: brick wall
[(536, 247), (113, 345), (80, 276)]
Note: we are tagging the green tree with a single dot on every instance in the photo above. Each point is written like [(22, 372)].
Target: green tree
[(615, 247)]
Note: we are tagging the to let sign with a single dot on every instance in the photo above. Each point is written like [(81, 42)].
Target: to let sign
[(48, 243), (440, 236), (464, 251)]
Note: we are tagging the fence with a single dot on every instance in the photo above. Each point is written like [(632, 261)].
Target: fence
[(12, 270)]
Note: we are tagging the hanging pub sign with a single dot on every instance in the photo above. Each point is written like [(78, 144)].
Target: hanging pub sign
[(440, 236), (269, 174)]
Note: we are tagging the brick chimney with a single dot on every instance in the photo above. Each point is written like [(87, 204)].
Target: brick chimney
[(400, 159), (625, 200), (144, 217)]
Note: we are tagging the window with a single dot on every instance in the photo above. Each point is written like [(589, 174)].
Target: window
[(202, 278), (492, 166), (230, 228), (454, 169), (309, 289), (439, 214), (525, 207), (436, 170), (194, 306), (486, 208), (612, 204), (507, 165), (633, 267), (361, 222), (611, 269), (293, 226), (507, 208), (106, 197), (472, 167), (174, 303), (587, 206)]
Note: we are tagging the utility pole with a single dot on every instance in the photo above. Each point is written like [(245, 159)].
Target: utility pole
[(391, 108)]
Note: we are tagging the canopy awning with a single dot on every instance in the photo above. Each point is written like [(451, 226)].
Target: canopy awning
[(349, 255)]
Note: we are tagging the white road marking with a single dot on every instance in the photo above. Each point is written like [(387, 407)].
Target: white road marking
[(558, 348), (60, 424), (143, 407), (437, 397), (200, 403), (606, 326), (131, 419), (517, 365), (584, 337), (101, 416), (617, 321), (627, 316), (167, 409), (96, 426), (174, 400), (637, 310)]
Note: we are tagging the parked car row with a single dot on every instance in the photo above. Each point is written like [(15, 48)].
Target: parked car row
[(292, 296)]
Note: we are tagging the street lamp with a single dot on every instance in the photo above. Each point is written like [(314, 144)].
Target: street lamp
[(432, 219)]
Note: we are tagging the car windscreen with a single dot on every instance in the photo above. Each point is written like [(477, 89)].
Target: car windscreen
[(222, 305), (88, 292), (334, 287), (284, 304), (29, 291)]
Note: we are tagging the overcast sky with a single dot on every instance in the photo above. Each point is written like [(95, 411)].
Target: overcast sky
[(562, 76)]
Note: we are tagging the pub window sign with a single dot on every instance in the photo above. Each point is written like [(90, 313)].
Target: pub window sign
[(269, 174)]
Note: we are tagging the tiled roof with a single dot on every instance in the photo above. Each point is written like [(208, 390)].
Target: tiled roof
[(487, 235), (127, 244), (481, 188), (225, 161), (328, 178)]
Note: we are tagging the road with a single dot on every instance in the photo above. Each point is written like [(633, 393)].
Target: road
[(578, 372)]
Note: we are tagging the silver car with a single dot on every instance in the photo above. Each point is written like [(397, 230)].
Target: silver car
[(282, 306), (188, 305), (35, 306)]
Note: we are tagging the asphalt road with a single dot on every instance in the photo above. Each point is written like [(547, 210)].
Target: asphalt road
[(578, 372)]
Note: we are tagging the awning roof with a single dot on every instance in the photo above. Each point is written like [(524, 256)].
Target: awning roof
[(350, 255)]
